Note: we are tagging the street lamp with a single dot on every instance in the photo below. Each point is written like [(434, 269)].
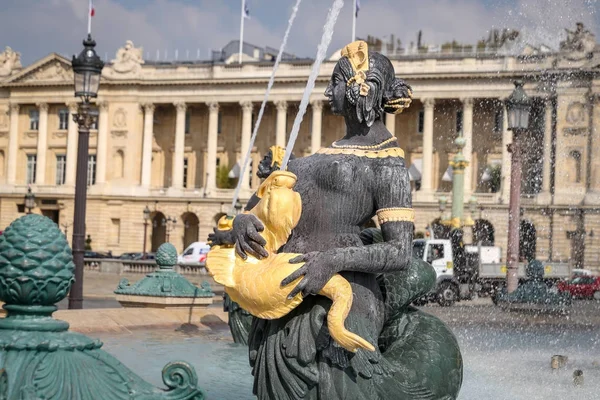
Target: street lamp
[(169, 223), (238, 207), (87, 67), (518, 106), (29, 200), (146, 219)]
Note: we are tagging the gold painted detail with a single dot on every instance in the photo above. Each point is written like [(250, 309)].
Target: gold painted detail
[(225, 223), (395, 214), (358, 54), (383, 153), (459, 164), (399, 104), (256, 284), (371, 147), (278, 153)]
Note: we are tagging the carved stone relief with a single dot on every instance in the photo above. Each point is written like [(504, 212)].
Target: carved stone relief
[(55, 72), (120, 118), (128, 62), (575, 113)]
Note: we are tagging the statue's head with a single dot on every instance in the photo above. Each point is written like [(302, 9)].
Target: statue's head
[(128, 44), (271, 161), (364, 83)]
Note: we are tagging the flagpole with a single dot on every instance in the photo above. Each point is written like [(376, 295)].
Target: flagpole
[(90, 17), (242, 31), (354, 22)]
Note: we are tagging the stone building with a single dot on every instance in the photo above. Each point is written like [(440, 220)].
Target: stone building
[(168, 133)]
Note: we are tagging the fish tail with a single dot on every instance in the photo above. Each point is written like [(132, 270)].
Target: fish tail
[(339, 291)]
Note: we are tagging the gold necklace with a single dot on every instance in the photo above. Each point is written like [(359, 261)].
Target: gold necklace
[(357, 147)]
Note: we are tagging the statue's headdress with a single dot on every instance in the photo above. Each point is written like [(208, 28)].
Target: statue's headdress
[(358, 55), (277, 153)]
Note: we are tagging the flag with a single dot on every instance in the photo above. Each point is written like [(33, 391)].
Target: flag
[(357, 8), (92, 9), (246, 9)]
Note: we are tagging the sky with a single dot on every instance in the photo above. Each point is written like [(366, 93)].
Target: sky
[(36, 28)]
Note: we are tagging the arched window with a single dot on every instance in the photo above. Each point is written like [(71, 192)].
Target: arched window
[(576, 160), (119, 164), (483, 232)]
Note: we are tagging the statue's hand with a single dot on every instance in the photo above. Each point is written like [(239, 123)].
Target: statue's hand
[(317, 270), (245, 233), (220, 238)]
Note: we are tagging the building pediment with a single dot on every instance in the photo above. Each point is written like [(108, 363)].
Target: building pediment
[(53, 69)]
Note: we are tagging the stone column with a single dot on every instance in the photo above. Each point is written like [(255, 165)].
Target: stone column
[(467, 126), (547, 147), (426, 175), (245, 142), (13, 145), (147, 144), (506, 158), (102, 143), (211, 146), (42, 145), (281, 123), (72, 139), (390, 123), (317, 119), (177, 174)]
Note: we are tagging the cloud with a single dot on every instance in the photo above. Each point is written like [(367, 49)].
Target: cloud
[(200, 25)]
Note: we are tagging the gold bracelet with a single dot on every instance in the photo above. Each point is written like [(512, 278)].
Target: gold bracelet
[(395, 214)]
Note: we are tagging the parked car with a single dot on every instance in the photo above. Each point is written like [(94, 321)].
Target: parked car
[(135, 256), (96, 254), (194, 255), (583, 286)]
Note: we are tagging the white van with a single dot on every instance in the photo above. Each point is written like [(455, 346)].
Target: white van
[(194, 255)]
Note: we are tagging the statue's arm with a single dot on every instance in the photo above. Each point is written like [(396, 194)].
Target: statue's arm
[(392, 198)]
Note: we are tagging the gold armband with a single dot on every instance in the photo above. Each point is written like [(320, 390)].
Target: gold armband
[(395, 214)]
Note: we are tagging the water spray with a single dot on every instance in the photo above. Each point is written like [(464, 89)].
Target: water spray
[(332, 16), (246, 161)]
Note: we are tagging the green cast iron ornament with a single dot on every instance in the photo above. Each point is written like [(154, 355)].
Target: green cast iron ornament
[(39, 357)]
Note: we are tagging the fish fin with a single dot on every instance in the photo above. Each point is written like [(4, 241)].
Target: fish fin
[(220, 263)]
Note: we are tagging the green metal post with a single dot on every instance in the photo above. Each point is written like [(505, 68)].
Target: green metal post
[(458, 163)]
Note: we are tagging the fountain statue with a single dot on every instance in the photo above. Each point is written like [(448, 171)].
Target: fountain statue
[(362, 340)]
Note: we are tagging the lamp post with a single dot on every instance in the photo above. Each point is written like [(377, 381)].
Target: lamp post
[(518, 106), (169, 223), (146, 219), (29, 200), (87, 67), (238, 207)]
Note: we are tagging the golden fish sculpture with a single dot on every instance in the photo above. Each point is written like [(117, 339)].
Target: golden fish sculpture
[(256, 284)]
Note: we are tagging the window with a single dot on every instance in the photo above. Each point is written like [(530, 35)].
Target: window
[(219, 122), (459, 121), (185, 172), (34, 120), (31, 164), (94, 125), (91, 175), (188, 118), (63, 119), (421, 121), (498, 121), (115, 231), (61, 169), (576, 156), (189, 252), (436, 251)]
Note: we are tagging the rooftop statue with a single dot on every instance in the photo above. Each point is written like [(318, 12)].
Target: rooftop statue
[(298, 354), (129, 59), (10, 60), (580, 43)]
